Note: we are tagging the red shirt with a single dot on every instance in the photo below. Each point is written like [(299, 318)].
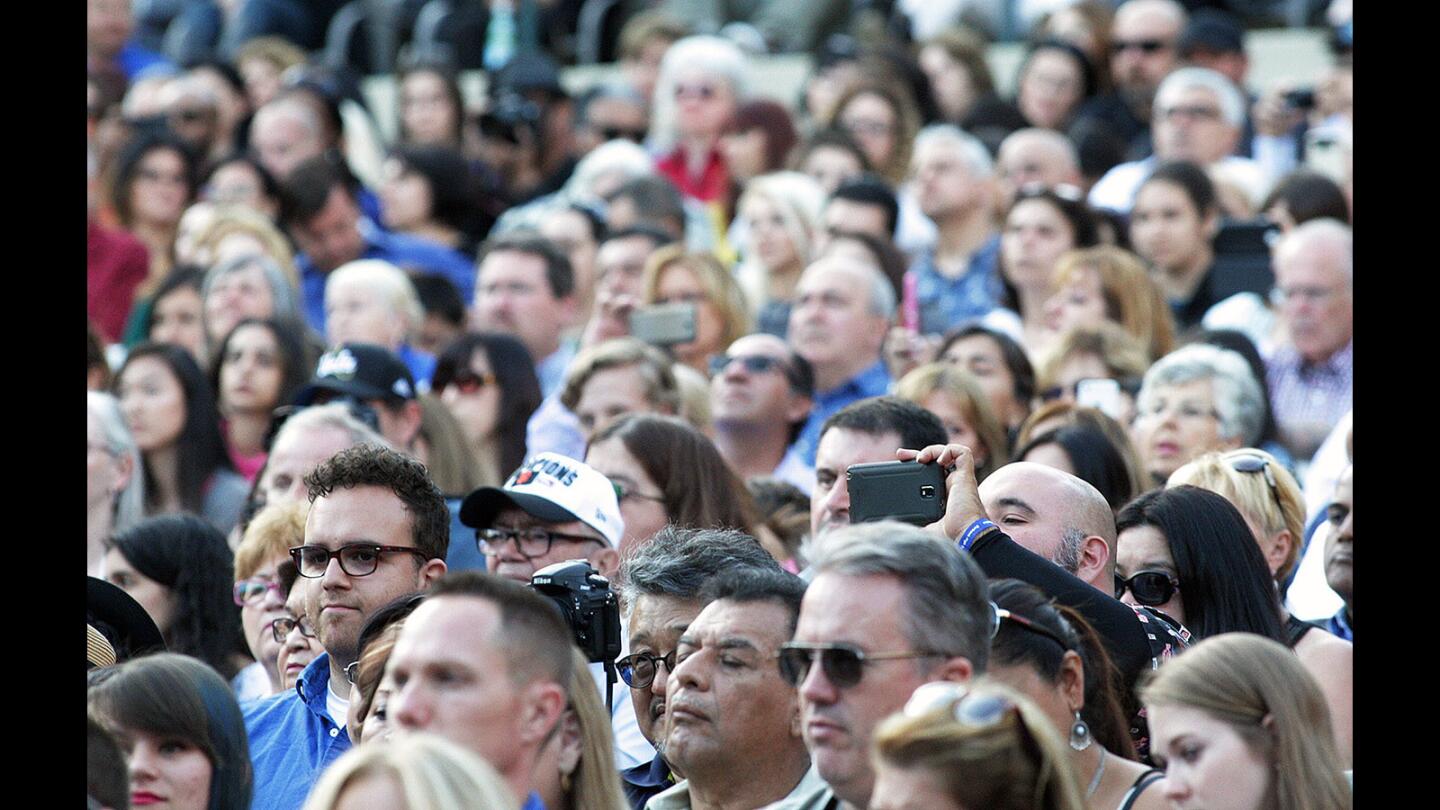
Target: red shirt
[(115, 264), (713, 185)]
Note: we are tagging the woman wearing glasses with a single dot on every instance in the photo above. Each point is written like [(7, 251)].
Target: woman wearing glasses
[(1270, 501), (298, 643), (1194, 400), (959, 747), (1187, 552), (702, 80), (1239, 724), (154, 181), (488, 382), (666, 471), (179, 569), (260, 593), (1051, 655)]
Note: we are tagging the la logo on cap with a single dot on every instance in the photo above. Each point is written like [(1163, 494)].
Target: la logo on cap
[(339, 364)]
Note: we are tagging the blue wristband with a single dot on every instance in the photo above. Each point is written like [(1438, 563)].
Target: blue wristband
[(974, 530)]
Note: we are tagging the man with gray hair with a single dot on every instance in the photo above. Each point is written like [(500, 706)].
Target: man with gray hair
[(842, 312), (662, 589), (285, 133), (891, 607), (1199, 116), (1056, 515), (1034, 156), (373, 301), (958, 279), (1311, 374)]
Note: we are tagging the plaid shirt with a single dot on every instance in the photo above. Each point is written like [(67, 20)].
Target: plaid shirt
[(1310, 397)]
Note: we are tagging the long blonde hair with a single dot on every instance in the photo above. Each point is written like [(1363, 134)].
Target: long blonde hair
[(431, 772), (1271, 510), (961, 386), (1246, 681), (1132, 299), (1018, 763), (594, 784)]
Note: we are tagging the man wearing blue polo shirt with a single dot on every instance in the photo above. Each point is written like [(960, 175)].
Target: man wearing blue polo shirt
[(377, 530), (842, 311), (319, 209)]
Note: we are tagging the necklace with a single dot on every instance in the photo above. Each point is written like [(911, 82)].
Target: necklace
[(1095, 780)]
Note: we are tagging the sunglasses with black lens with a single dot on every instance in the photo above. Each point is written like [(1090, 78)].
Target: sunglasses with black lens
[(1257, 464), (843, 664), (1150, 588), (638, 670)]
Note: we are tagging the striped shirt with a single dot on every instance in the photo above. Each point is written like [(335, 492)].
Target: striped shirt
[(1309, 398)]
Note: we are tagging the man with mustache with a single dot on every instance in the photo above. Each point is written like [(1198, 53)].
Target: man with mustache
[(377, 529), (733, 720), (662, 591)]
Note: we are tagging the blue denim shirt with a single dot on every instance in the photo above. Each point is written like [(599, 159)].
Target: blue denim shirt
[(293, 740), (872, 382), (406, 252), (948, 302)]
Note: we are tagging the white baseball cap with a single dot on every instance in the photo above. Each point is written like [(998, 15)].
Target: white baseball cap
[(555, 488)]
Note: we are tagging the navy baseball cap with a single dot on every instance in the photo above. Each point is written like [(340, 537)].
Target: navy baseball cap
[(364, 371)]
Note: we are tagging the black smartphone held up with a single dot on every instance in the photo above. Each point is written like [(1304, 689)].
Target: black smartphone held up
[(664, 325), (896, 490)]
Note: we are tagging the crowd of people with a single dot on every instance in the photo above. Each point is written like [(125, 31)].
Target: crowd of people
[(507, 462)]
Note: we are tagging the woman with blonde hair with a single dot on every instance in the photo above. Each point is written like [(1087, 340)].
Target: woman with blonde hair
[(418, 772), (576, 767), (673, 276), (1270, 501), (259, 591), (953, 395), (1099, 351), (238, 230), (1107, 283), (775, 229), (974, 745), (1239, 723)]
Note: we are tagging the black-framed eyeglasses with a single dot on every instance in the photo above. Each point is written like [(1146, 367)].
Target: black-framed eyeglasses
[(1150, 588), (356, 559), (843, 664), (531, 543), (638, 670), (280, 628), (252, 591), (1250, 463), (1003, 615), (973, 708)]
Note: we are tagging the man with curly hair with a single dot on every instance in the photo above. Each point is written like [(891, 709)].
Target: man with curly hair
[(378, 529)]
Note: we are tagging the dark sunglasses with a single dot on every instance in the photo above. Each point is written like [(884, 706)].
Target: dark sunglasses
[(468, 382), (977, 709), (618, 134), (1257, 464), (638, 670), (1150, 588), (843, 664), (757, 364), (1142, 45)]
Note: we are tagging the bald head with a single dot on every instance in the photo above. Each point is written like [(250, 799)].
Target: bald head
[(1136, 72), (1055, 515), (1035, 156), (285, 133), (1167, 10)]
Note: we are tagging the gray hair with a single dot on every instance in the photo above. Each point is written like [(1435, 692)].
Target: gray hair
[(1048, 138), (1232, 103), (972, 152), (679, 562), (880, 299), (946, 592), (1067, 554), (716, 56), (281, 292), (385, 280), (129, 502), (1239, 400), (1330, 233), (335, 415)]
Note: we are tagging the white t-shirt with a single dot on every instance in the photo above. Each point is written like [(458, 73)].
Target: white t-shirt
[(337, 707)]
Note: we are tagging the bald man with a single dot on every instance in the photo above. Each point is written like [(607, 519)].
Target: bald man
[(285, 133), (1035, 156), (1055, 515)]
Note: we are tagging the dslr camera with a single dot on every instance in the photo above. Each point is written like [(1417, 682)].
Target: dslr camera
[(587, 604)]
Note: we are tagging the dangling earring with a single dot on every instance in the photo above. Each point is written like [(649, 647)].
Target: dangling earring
[(565, 782), (1080, 738)]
